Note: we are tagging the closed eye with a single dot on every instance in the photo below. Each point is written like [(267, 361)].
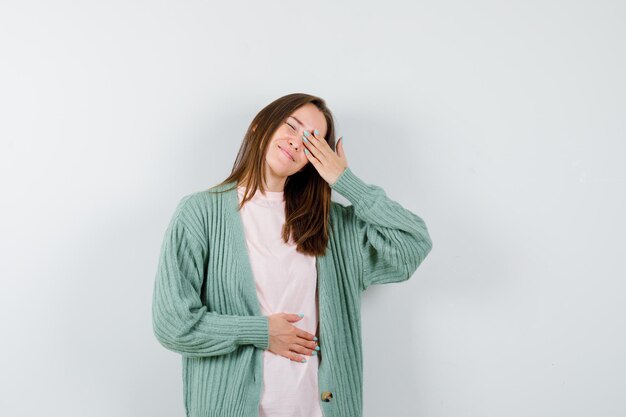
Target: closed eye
[(291, 126)]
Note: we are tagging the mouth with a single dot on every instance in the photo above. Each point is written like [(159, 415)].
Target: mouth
[(287, 154)]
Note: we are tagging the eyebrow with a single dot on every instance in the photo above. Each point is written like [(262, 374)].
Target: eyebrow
[(299, 122)]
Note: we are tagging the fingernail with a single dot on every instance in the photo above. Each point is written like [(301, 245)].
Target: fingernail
[(317, 348), (306, 151), (314, 337), (316, 132), (304, 139), (301, 315), (303, 360), (306, 133)]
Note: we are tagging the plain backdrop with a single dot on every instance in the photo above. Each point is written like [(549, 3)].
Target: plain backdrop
[(502, 124)]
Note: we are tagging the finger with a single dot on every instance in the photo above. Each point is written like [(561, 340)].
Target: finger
[(307, 339), (304, 334), (291, 317), (320, 141), (310, 345), (340, 147), (304, 350), (314, 144), (316, 162), (295, 357), (316, 135)]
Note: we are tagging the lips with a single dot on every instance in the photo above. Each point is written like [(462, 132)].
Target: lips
[(287, 153)]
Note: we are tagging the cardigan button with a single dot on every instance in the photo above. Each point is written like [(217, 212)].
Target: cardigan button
[(327, 396)]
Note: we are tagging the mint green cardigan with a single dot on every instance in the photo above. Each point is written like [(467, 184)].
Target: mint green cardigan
[(206, 309)]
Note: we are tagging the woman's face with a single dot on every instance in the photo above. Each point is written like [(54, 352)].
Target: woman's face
[(285, 154)]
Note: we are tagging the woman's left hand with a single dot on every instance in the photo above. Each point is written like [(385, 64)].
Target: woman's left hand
[(329, 164)]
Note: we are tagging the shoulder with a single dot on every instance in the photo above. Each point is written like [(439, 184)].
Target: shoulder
[(192, 204), (198, 205), (201, 201), (193, 209)]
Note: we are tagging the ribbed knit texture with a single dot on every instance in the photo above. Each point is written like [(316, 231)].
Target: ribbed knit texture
[(205, 305)]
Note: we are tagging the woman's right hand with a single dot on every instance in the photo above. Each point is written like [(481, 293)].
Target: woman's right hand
[(287, 340)]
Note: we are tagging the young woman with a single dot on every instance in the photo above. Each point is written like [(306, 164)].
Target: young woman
[(259, 280)]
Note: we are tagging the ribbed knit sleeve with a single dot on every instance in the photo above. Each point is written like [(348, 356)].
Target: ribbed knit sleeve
[(181, 323), (392, 241)]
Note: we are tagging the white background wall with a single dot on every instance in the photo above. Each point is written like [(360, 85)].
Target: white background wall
[(500, 123)]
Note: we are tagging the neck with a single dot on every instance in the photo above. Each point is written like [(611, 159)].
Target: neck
[(273, 183)]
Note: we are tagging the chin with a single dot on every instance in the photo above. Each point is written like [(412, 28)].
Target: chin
[(280, 169)]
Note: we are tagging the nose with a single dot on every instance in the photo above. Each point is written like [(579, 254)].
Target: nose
[(296, 142)]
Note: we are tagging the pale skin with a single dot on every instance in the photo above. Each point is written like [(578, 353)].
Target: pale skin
[(308, 122)]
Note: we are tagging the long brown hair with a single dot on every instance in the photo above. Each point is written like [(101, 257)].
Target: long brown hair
[(307, 195)]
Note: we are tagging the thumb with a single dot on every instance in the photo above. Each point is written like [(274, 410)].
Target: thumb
[(293, 317), (340, 147)]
